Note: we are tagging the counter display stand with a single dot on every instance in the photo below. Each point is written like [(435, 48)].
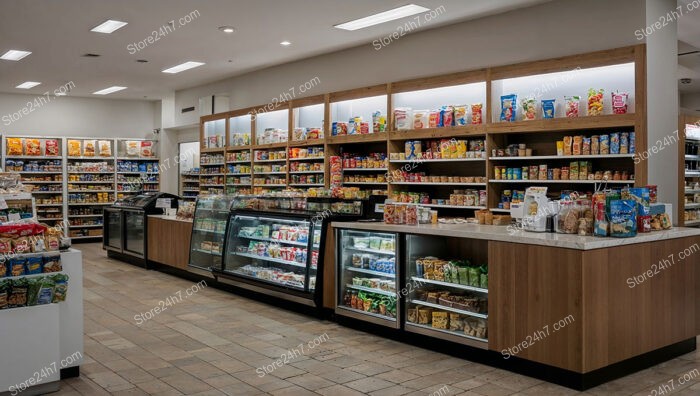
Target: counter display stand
[(208, 231)]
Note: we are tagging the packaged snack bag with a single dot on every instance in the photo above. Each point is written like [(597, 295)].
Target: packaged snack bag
[(89, 148), (577, 145), (633, 144), (595, 145), (14, 146), (51, 147), (147, 148), (619, 102), (4, 292), (460, 115), (75, 148), (52, 263), (640, 195), (132, 148), (420, 119), (508, 107), (33, 265), (434, 119), (61, 290), (105, 148), (46, 291), (548, 108), (32, 147), (476, 113), (529, 109), (378, 122), (623, 218), (18, 293), (401, 118), (446, 116), (572, 105), (568, 141), (33, 285), (604, 144), (614, 143), (624, 142), (595, 102), (586, 147)]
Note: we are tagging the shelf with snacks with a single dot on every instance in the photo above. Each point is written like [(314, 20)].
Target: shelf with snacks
[(690, 170), (213, 134), (359, 116)]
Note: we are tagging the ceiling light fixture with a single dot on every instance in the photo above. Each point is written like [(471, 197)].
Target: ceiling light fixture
[(227, 29), (382, 17), (61, 94), (28, 84), (285, 43), (108, 26), (109, 90), (182, 67), (14, 55)]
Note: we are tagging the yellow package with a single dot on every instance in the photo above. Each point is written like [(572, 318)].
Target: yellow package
[(89, 148), (32, 147), (453, 149), (105, 148), (75, 148), (14, 146), (461, 149)]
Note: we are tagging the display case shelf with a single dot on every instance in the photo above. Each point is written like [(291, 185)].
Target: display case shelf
[(452, 206), (692, 206), (692, 223), (209, 231), (371, 272), (367, 250), (361, 313), (692, 191), (307, 172), (269, 160), (448, 284), (372, 290), (306, 185), (426, 330), (278, 241), (271, 259), (365, 183), (213, 253), (449, 309), (437, 133), (562, 157)]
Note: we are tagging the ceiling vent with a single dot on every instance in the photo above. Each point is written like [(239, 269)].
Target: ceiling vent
[(90, 55)]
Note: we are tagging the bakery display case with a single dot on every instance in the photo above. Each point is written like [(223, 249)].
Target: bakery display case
[(274, 253), (367, 276), (208, 231), (447, 289)]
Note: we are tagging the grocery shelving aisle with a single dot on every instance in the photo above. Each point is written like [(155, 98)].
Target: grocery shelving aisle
[(212, 343)]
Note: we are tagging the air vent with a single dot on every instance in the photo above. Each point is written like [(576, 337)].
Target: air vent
[(142, 60), (90, 55), (188, 109)]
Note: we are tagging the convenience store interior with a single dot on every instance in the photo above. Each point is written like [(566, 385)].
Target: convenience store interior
[(248, 200)]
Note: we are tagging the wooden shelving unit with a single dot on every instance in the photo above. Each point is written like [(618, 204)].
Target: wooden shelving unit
[(688, 170)]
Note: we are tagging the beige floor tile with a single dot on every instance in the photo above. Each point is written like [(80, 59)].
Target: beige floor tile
[(339, 390), (367, 385), (310, 381)]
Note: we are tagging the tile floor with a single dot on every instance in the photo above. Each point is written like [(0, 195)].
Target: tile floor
[(214, 342)]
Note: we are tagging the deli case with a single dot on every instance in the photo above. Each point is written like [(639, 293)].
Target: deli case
[(125, 225), (208, 231)]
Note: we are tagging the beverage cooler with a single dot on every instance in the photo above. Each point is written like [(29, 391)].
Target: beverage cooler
[(274, 253), (209, 231), (368, 276), (125, 226)]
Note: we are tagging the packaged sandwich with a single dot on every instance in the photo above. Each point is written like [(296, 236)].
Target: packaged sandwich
[(51, 147), (105, 148), (14, 146), (75, 148), (32, 147), (89, 148)]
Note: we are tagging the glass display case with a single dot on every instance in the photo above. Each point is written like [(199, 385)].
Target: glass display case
[(208, 231), (447, 288), (274, 251), (368, 276)]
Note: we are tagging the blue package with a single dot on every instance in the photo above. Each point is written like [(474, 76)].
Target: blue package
[(548, 108), (641, 196), (33, 265), (632, 144), (509, 104), (623, 218), (142, 167)]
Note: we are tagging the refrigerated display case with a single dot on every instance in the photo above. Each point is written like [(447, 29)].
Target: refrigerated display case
[(274, 253), (209, 231), (368, 276), (447, 289)]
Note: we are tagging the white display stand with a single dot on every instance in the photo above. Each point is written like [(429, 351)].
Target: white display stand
[(39, 338)]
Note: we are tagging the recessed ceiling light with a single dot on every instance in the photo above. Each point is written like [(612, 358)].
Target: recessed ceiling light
[(108, 26), (28, 84), (286, 43), (382, 17), (227, 29), (14, 55), (182, 67), (109, 90)]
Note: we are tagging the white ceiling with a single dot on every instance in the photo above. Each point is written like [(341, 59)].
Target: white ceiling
[(58, 34)]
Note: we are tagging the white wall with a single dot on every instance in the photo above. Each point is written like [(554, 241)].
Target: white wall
[(690, 101), (169, 142), (67, 116), (558, 28)]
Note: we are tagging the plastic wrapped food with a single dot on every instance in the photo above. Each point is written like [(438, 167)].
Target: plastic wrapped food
[(619, 102), (595, 102), (476, 113), (614, 143), (32, 147), (604, 144), (568, 141), (132, 148), (572, 105), (147, 148), (401, 118), (75, 148), (577, 145), (529, 109), (623, 218), (51, 147), (548, 108), (14, 146), (446, 116), (89, 148), (508, 107), (420, 119), (460, 115), (434, 119), (586, 146)]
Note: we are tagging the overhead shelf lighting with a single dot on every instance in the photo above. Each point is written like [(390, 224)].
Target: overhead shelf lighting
[(109, 90), (383, 17), (28, 84), (14, 55), (108, 26), (182, 67)]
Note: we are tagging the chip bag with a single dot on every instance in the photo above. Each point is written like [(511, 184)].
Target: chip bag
[(132, 148), (46, 291), (14, 146), (32, 147), (548, 108), (4, 293), (446, 116), (476, 113), (508, 107), (61, 281), (33, 286), (595, 102), (460, 115), (105, 148), (147, 148), (89, 148), (18, 293), (75, 148), (51, 147)]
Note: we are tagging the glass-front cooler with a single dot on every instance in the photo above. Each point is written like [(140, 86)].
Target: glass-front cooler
[(274, 253), (208, 231), (368, 276), (447, 288)]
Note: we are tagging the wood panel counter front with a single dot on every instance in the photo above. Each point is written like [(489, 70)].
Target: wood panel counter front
[(582, 303), (169, 241)]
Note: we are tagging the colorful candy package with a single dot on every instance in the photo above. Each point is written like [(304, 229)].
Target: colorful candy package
[(446, 116), (619, 102), (529, 109), (595, 102), (548, 108), (476, 113), (572, 105), (460, 115), (508, 107)]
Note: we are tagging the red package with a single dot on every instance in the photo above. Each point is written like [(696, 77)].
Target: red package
[(619, 102), (51, 147), (364, 128)]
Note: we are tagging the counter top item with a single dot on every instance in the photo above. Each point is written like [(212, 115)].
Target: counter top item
[(514, 235), (171, 218)]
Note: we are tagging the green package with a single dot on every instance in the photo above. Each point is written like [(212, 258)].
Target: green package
[(33, 286), (61, 290)]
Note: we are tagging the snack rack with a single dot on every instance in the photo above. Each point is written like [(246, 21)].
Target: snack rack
[(189, 184), (73, 179), (137, 167), (239, 176), (690, 199)]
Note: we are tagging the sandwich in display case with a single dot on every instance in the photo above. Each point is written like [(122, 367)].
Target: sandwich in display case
[(209, 231), (368, 276)]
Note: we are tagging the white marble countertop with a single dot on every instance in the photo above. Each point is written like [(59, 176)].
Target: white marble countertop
[(508, 234), (166, 217)]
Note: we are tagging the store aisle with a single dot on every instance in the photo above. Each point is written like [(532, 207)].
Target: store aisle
[(217, 343)]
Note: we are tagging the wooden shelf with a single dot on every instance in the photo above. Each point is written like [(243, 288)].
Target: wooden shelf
[(437, 133), (436, 184), (565, 124), (212, 150), (308, 159), (562, 157), (238, 148), (563, 181), (306, 143), (365, 169), (270, 146), (452, 206), (367, 138), (422, 161)]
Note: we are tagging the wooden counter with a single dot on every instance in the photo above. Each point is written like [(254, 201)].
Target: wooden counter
[(169, 241)]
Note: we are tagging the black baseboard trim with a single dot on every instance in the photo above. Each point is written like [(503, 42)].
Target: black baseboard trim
[(70, 372)]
